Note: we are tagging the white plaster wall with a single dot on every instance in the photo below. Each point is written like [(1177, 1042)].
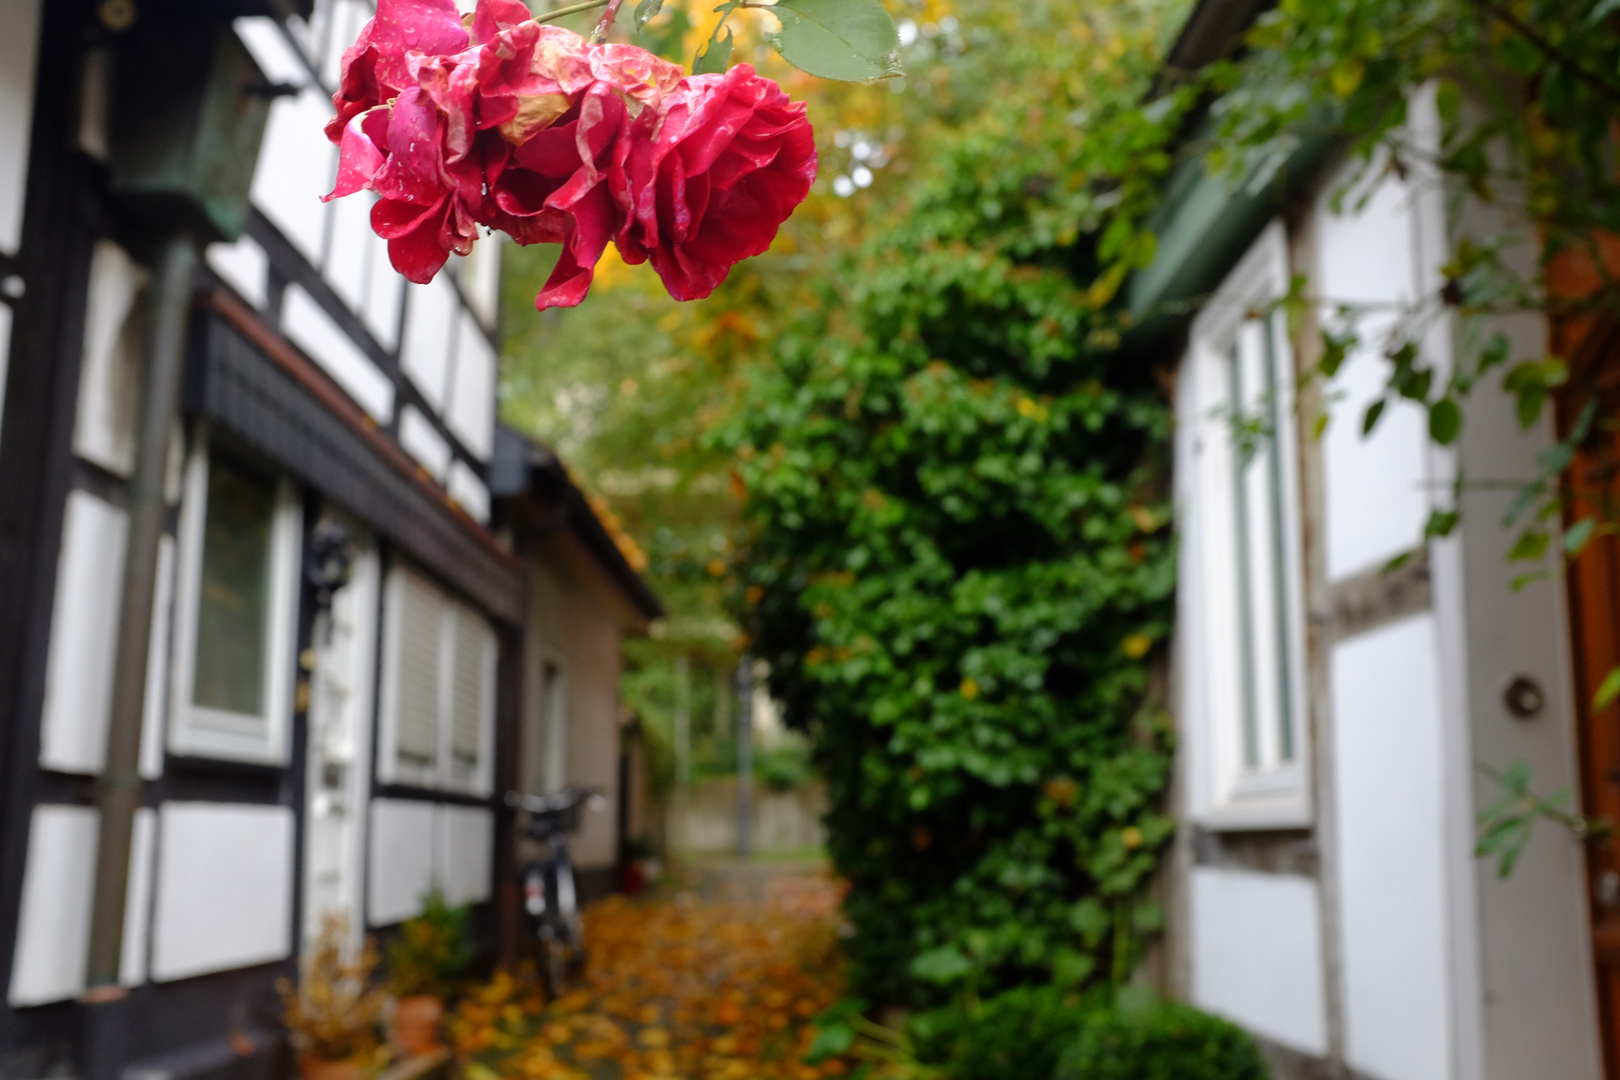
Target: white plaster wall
[(430, 322), (5, 352), (402, 855), (53, 926), (296, 163), (1376, 492), (110, 368), (53, 930), (19, 51), (469, 491), (224, 888), (466, 853), (243, 265), (84, 631), (1387, 745), (1257, 954), (471, 413), (423, 442), (348, 260), (309, 327)]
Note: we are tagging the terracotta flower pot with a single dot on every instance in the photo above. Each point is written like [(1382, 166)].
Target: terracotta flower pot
[(416, 1024), (314, 1068)]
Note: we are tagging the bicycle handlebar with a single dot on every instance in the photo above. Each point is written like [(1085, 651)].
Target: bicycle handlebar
[(556, 803)]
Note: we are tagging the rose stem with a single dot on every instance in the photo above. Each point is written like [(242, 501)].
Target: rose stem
[(600, 34), (571, 9)]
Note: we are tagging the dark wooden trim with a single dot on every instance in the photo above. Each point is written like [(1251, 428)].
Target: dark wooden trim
[(255, 384), (1377, 597), (292, 266), (62, 212)]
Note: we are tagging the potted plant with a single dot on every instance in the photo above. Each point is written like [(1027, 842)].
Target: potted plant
[(424, 963), (334, 1011)]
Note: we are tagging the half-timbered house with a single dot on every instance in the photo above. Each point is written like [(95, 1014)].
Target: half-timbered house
[(344, 549)]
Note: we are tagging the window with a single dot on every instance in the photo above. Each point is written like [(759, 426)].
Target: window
[(438, 705), (240, 531), (554, 702), (1242, 616)]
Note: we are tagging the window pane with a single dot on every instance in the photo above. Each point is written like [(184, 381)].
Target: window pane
[(233, 608), (1242, 459), (1279, 549)]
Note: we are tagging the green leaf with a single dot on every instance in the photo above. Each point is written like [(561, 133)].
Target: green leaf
[(1440, 523), (1445, 421), (851, 40), (946, 964), (646, 11), (1607, 690), (1334, 349), (1577, 535), (1370, 419), (714, 59), (1071, 968), (831, 1041), (1530, 546)]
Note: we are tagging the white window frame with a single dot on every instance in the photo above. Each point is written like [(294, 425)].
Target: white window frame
[(200, 731), (1247, 719), (441, 774)]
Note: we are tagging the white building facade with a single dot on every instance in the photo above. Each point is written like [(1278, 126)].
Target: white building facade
[(1340, 681)]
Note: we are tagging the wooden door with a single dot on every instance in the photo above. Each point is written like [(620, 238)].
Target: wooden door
[(1594, 605)]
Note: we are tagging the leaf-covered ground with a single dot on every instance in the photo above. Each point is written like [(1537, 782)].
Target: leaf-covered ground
[(715, 977)]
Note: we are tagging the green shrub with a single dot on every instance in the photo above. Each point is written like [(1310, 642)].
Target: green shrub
[(1019, 1034), (1150, 1040), (433, 950)]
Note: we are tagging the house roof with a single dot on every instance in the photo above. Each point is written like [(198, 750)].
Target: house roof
[(1205, 222), (524, 468)]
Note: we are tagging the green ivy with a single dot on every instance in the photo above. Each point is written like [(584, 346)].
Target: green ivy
[(957, 561)]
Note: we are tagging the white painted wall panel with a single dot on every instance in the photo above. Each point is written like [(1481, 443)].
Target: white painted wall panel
[(480, 277), (53, 930), (349, 258), (84, 631), (430, 322), (385, 296), (5, 352), (466, 853), (1388, 788), (402, 856), (19, 52), (138, 902), (110, 364), (469, 491), (154, 709), (296, 167), (471, 413), (309, 327), (1376, 489), (243, 265), (1257, 954), (224, 888), (423, 442)]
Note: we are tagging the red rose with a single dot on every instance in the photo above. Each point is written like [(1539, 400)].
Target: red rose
[(377, 66), (427, 202), (530, 129), (552, 188), (708, 177)]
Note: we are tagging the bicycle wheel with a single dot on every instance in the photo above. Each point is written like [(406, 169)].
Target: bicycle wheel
[(554, 964)]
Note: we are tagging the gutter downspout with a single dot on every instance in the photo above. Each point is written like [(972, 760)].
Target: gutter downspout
[(118, 793)]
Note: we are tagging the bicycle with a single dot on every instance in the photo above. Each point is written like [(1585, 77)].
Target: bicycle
[(550, 901)]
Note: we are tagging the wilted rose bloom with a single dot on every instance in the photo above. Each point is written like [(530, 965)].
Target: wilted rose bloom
[(708, 180)]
